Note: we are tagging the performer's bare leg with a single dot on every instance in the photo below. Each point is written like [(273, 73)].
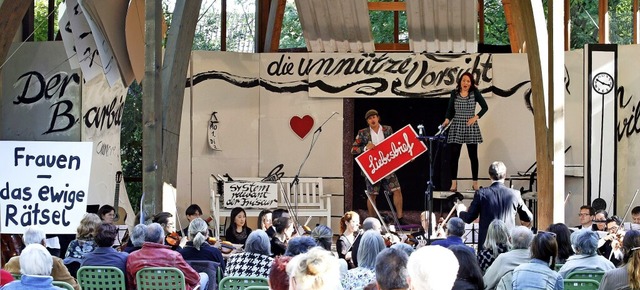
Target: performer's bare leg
[(372, 212), (475, 185), (397, 202), (454, 185)]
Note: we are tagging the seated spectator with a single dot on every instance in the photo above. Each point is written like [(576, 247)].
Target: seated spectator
[(455, 231), (255, 261), (406, 248), (610, 246), (198, 248), (136, 239), (370, 245), (35, 235), (369, 223), (563, 238), (35, 265), (104, 254), (284, 230), (238, 231), (424, 274), (5, 277), (166, 220), (323, 236), (107, 213), (496, 243), (627, 276), (521, 238), (264, 220), (585, 243), (469, 275), (155, 254), (539, 273), (316, 269), (299, 245), (391, 269), (278, 277), (193, 212), (84, 242), (587, 214)]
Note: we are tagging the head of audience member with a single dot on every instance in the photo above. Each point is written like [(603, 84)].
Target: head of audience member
[(497, 171), (371, 243), (106, 235), (198, 232), (193, 212), (406, 248), (563, 239), (521, 237), (391, 269), (601, 219), (264, 220), (469, 269), (238, 218), (35, 260), (316, 269), (631, 250), (587, 213), (138, 235), (34, 235), (258, 243), (497, 234), (613, 224), (299, 245), (350, 222), (426, 222), (584, 242), (455, 227), (165, 219), (278, 277), (424, 274), (371, 223), (635, 215), (107, 213), (154, 234), (545, 248), (323, 236), (88, 226), (283, 226)]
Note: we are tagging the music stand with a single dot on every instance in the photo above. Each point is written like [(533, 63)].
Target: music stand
[(438, 137)]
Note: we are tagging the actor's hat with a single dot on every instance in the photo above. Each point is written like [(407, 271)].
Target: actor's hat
[(370, 113)]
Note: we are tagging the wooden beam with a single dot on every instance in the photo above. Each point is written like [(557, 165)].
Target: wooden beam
[(387, 6), (11, 14), (274, 27), (392, 46), (603, 23), (174, 74), (223, 25), (567, 25), (263, 8), (51, 32), (27, 23), (635, 22), (514, 27), (396, 26), (481, 21)]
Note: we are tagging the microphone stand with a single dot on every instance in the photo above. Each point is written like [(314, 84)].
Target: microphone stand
[(429, 192), (293, 187)]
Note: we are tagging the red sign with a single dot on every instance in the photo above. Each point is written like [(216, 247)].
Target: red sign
[(391, 154)]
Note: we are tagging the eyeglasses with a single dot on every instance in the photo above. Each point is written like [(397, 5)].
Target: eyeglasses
[(583, 214), (547, 233)]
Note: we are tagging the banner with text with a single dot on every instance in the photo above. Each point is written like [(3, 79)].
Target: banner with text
[(248, 194), (44, 184), (391, 154)]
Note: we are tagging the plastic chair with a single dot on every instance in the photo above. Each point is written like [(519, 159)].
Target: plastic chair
[(581, 284), (591, 275), (63, 285), (558, 266), (211, 268), (257, 288), (16, 276), (101, 278), (241, 283), (160, 278)]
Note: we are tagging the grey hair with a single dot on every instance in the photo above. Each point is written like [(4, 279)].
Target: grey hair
[(425, 274), (404, 247), (33, 235), (371, 244), (155, 234), (315, 269), (497, 171), (391, 269), (258, 242), (521, 237), (497, 234), (198, 232), (585, 242), (138, 234), (323, 236), (455, 227), (35, 260), (371, 223)]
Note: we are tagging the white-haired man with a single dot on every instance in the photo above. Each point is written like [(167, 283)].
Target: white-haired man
[(35, 265), (521, 238), (424, 274)]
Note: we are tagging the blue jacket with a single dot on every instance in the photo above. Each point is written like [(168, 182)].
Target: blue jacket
[(452, 240), (536, 275), (107, 256), (206, 253), (28, 282)]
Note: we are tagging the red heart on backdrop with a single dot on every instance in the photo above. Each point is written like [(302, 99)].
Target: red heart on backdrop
[(301, 126)]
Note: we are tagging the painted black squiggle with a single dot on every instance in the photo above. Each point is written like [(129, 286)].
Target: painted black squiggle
[(504, 93), (239, 81), (369, 90), (527, 100), (567, 79)]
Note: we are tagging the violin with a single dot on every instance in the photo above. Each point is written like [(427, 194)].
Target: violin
[(172, 239)]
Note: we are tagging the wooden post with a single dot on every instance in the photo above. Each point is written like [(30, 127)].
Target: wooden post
[(635, 22), (567, 25), (481, 21), (11, 14), (603, 21)]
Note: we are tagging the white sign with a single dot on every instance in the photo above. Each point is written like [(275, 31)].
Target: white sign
[(247, 194), (44, 184)]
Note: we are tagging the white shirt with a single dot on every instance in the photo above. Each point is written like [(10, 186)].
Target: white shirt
[(376, 137)]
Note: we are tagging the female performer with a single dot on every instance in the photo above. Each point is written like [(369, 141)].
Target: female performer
[(464, 127), (349, 225)]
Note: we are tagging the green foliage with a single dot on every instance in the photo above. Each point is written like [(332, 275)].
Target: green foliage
[(131, 143), (495, 23), (291, 33), (40, 19)]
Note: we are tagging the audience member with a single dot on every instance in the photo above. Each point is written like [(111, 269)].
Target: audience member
[(369, 223), (600, 219), (497, 242), (316, 269), (5, 277), (35, 235), (391, 269), (627, 276), (238, 231), (198, 248), (585, 243), (107, 213), (539, 273), (563, 238), (586, 215), (426, 274), (264, 220), (323, 236), (299, 245), (136, 239), (84, 242), (610, 246), (193, 212), (455, 231), (469, 275), (154, 254), (370, 245), (406, 248), (521, 238), (278, 277), (284, 230), (349, 225), (35, 265), (255, 261), (104, 254)]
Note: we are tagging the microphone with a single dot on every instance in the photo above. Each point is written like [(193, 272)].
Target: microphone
[(420, 130)]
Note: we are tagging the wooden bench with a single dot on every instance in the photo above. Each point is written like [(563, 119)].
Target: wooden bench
[(311, 199)]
